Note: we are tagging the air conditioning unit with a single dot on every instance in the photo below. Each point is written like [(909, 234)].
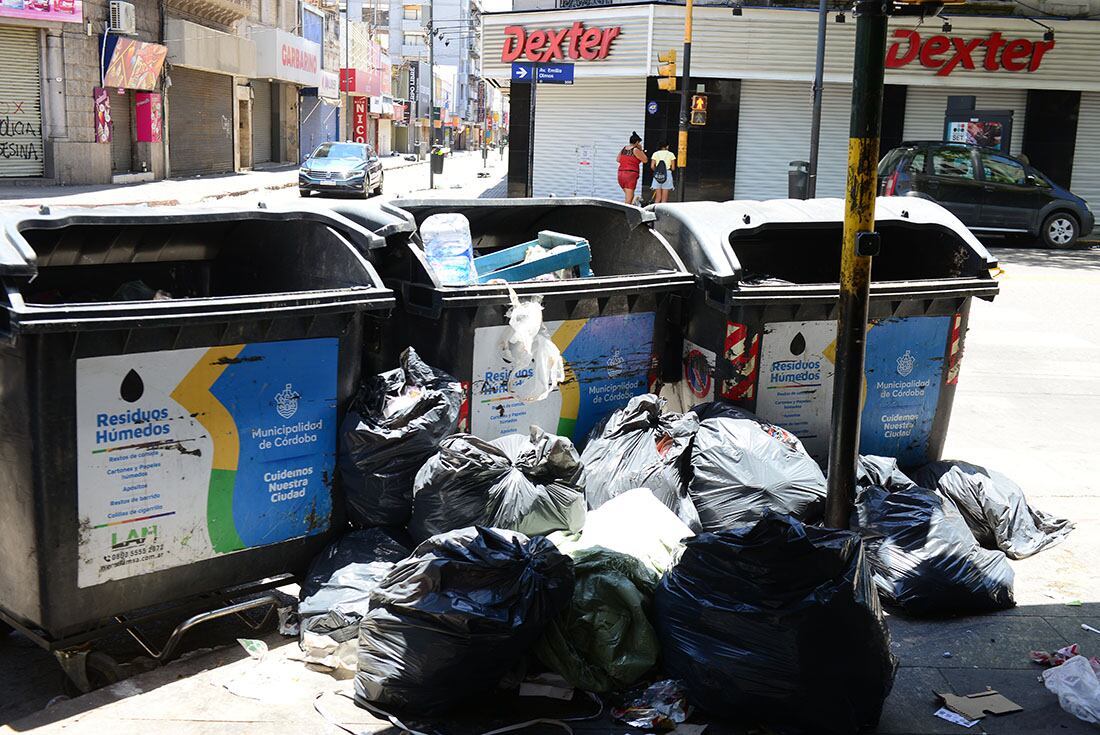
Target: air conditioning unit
[(123, 19)]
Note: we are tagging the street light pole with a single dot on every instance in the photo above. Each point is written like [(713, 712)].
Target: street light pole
[(859, 243), (819, 84), (682, 144)]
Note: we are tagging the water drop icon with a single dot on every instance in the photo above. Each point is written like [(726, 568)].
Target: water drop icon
[(798, 344), (132, 387)]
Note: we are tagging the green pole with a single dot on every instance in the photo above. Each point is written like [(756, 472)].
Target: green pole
[(858, 245)]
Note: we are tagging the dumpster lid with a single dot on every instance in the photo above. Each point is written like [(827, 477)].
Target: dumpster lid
[(503, 211), (384, 219), (715, 227), (18, 259)]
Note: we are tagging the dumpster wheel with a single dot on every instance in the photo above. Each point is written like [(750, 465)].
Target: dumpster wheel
[(86, 671)]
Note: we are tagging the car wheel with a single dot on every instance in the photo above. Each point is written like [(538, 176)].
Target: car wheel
[(1059, 230), (303, 193), (378, 189)]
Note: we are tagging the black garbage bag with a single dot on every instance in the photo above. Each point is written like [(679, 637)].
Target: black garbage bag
[(336, 591), (525, 484), (394, 424), (449, 622), (642, 445), (743, 466), (995, 508), (777, 622), (924, 558)]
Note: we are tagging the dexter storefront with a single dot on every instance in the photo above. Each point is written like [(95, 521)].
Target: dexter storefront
[(756, 71)]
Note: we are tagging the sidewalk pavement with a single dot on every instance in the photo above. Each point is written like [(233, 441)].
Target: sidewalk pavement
[(172, 192)]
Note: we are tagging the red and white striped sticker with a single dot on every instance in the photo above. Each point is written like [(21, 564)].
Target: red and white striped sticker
[(743, 355), (954, 355)]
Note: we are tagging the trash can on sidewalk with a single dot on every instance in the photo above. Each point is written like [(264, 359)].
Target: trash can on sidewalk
[(611, 328), (798, 179), (761, 327), (172, 383), (437, 159)]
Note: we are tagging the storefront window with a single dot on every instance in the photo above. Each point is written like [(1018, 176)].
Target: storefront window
[(412, 12)]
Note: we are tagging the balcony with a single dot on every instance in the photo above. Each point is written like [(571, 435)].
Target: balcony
[(221, 12)]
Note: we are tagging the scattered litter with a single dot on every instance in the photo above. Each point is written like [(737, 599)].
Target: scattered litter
[(288, 621), (662, 705), (534, 361), (1077, 686), (547, 685), (255, 648), (553, 256), (1057, 658), (947, 654), (525, 484), (1073, 603), (777, 622), (954, 717), (978, 705), (923, 556), (449, 248), (1089, 628), (642, 445), (994, 508), (448, 623), (603, 641), (742, 467)]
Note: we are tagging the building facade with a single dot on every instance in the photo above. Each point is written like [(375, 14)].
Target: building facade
[(756, 70)]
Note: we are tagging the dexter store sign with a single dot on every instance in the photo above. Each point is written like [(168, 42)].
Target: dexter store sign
[(945, 54), (574, 42)]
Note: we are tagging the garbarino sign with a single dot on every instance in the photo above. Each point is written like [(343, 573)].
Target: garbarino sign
[(574, 42), (286, 57), (945, 54)]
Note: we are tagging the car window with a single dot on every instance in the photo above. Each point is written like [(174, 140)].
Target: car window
[(916, 166), (953, 162), (890, 161), (340, 150), (1001, 170)]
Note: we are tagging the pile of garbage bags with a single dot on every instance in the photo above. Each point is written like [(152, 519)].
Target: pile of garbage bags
[(682, 549)]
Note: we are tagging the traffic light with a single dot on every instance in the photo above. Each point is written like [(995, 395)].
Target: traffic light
[(667, 71), (698, 109)]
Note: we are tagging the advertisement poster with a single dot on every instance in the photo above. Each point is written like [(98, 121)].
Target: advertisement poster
[(976, 132), (903, 375), (607, 362), (150, 118), (359, 119), (102, 104), (64, 11), (699, 365), (184, 455), (134, 65)]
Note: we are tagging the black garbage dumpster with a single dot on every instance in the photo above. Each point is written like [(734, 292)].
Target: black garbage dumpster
[(611, 328), (172, 383), (761, 328), (438, 154)]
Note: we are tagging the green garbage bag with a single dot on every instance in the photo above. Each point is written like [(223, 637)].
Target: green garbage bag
[(604, 641)]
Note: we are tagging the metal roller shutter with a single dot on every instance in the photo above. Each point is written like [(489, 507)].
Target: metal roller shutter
[(925, 108), (1085, 181), (774, 129), (21, 148), (590, 119), (261, 122), (201, 136), (316, 124), (121, 137)]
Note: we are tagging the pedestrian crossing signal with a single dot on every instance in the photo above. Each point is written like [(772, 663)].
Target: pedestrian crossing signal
[(699, 103), (699, 117)]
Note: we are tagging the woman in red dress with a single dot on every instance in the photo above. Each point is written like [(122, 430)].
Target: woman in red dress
[(630, 158)]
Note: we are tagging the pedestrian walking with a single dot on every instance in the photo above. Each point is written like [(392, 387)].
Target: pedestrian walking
[(630, 160), (663, 164)]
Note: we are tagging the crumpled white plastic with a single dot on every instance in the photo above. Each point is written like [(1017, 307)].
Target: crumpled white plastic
[(1077, 687), (536, 363)]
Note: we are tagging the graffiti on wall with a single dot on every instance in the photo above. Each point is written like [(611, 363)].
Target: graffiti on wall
[(20, 131)]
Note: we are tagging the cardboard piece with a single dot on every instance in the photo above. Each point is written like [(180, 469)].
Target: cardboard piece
[(978, 705)]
